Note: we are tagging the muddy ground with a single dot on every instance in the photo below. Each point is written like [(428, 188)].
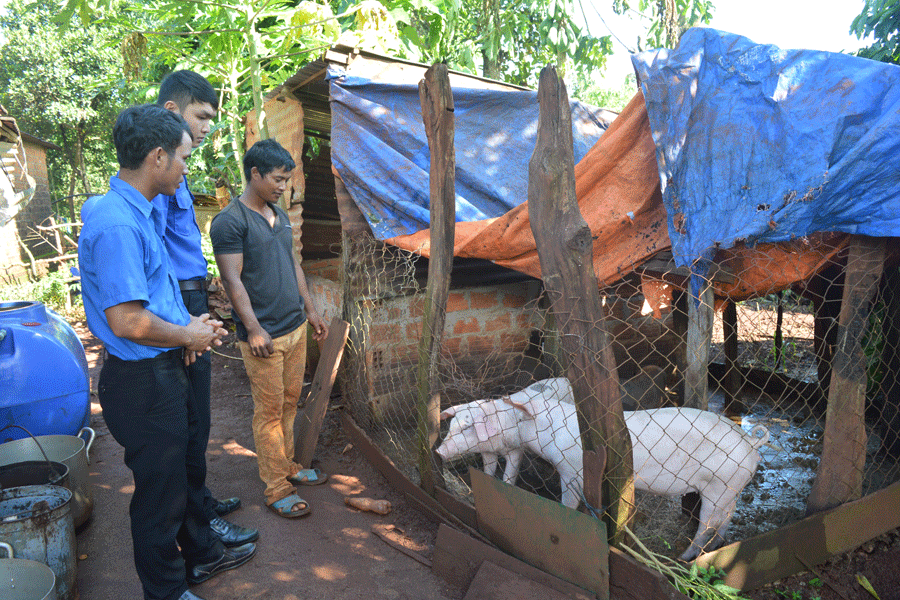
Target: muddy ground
[(333, 553)]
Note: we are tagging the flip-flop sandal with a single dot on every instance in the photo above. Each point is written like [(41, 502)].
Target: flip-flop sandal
[(308, 477), (283, 507)]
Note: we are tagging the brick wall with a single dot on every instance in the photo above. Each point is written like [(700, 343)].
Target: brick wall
[(487, 335)]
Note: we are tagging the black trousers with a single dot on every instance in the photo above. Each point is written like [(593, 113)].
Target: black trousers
[(148, 408), (200, 375)]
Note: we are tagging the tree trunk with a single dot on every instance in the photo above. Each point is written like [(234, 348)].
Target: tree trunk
[(564, 248), (490, 49)]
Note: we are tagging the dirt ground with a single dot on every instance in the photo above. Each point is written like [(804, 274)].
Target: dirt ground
[(333, 553)]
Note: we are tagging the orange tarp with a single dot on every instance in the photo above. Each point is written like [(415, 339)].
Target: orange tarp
[(617, 186)]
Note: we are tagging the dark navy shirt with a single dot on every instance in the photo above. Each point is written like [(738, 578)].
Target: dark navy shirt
[(268, 272), (122, 258), (182, 234)]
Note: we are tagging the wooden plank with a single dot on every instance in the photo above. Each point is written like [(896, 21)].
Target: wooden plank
[(493, 582), (457, 558), (543, 533), (311, 418), (436, 99), (564, 245), (840, 471), (785, 551), (732, 380), (699, 340), (630, 580), (398, 480)]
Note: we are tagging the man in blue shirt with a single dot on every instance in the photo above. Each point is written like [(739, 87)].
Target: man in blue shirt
[(191, 96), (132, 304)]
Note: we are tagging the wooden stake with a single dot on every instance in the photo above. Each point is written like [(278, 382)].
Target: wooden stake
[(436, 98), (564, 247)]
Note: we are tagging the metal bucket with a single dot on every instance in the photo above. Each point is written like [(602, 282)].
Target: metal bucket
[(69, 450), (22, 579), (36, 520), (34, 472)]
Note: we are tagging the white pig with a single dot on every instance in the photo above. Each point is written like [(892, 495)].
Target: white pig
[(675, 450)]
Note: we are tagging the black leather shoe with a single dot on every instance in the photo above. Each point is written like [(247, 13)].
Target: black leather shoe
[(187, 595), (231, 534), (230, 559), (223, 507)]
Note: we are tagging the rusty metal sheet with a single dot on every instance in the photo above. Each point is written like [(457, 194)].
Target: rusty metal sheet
[(544, 533)]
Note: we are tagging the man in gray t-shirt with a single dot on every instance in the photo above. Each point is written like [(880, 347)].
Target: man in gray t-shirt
[(271, 303)]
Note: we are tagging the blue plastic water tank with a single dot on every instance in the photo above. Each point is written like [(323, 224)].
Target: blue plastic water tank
[(44, 379)]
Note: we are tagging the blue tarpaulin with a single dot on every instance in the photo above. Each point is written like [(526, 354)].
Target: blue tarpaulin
[(759, 144), (379, 148)]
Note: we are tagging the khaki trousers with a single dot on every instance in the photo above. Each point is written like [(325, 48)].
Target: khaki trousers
[(275, 383)]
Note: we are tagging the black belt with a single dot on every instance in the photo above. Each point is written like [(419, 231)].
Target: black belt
[(168, 355), (189, 285)]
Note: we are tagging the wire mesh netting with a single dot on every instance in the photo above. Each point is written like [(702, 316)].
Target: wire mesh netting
[(748, 437)]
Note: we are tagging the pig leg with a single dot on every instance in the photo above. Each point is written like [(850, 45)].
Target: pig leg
[(489, 461), (713, 521), (513, 460), (571, 488)]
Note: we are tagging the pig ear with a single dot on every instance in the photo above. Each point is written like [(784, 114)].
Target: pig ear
[(447, 413)]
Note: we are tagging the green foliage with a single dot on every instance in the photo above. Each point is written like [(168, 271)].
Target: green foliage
[(881, 19), (207, 248), (65, 88), (597, 94), (52, 290), (665, 28)]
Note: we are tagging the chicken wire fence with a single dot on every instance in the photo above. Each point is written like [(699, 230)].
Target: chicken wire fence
[(753, 454)]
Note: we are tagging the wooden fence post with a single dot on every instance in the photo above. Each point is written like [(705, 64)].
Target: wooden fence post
[(699, 338), (436, 98), (564, 245), (840, 471)]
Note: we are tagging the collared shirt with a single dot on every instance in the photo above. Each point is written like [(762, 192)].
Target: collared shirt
[(182, 234), (268, 271), (122, 258)]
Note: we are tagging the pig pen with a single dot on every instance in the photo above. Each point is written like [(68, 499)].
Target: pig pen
[(780, 389)]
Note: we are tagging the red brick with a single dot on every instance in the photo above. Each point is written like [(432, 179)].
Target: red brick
[(466, 326), (453, 345), (513, 301), (414, 330), (384, 332), (500, 323), (511, 342), (483, 300), (417, 308), (456, 302), (481, 344)]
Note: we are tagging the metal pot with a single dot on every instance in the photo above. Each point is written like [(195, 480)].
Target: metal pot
[(71, 451), (22, 579), (34, 472), (36, 520)]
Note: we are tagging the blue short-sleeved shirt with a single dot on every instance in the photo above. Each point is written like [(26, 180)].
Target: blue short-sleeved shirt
[(182, 234), (122, 258)]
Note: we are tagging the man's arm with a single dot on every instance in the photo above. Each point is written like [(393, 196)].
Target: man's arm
[(230, 267), (131, 321), (320, 329)]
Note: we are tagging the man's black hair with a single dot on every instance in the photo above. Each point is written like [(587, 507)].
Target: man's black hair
[(140, 129), (266, 156), (185, 87)]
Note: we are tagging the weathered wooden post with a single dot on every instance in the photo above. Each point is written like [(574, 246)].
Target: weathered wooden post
[(732, 375), (699, 338), (564, 248), (839, 476), (436, 98)]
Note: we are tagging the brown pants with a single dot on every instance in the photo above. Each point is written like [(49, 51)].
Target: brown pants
[(276, 382)]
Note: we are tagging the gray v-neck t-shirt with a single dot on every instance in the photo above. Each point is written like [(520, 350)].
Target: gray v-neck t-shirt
[(268, 272)]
